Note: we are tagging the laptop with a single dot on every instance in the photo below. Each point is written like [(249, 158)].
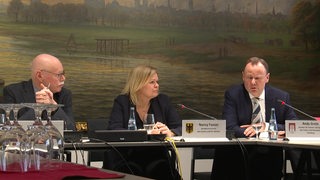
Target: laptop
[(118, 135), (97, 131), (75, 136)]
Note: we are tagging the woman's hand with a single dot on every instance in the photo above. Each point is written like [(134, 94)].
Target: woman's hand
[(163, 129)]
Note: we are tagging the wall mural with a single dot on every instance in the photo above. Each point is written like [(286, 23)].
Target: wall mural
[(198, 46)]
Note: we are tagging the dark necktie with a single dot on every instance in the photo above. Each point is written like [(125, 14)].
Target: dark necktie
[(256, 111)]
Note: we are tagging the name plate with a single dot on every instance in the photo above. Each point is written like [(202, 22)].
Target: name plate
[(204, 128), (302, 128)]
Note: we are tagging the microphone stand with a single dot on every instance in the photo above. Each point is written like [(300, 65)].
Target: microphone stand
[(284, 103), (229, 133), (193, 110)]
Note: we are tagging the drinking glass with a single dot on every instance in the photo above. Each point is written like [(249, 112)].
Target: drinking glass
[(17, 129), (149, 123), (7, 108), (40, 150), (41, 142), (2, 119), (51, 107), (54, 133), (15, 109), (14, 151), (2, 124), (38, 109), (258, 125)]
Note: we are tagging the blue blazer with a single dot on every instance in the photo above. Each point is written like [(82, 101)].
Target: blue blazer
[(237, 108), (23, 92), (160, 106)]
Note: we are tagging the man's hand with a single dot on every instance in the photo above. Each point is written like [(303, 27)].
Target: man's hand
[(45, 96), (250, 131)]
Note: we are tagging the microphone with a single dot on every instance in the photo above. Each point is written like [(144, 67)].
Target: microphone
[(193, 110), (285, 104)]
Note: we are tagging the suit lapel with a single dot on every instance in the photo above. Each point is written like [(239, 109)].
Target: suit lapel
[(247, 106)]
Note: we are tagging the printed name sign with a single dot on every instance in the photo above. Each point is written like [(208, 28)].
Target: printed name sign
[(302, 128), (204, 128)]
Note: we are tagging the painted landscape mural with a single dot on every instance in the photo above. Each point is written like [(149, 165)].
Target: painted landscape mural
[(198, 46)]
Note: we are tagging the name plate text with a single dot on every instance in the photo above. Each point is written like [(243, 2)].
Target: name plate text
[(204, 128), (302, 128)]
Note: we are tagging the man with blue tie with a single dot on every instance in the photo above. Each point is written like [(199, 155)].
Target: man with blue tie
[(253, 162)]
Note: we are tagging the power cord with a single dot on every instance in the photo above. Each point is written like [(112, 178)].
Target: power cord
[(244, 152), (82, 154), (78, 147), (177, 162), (75, 150), (117, 151)]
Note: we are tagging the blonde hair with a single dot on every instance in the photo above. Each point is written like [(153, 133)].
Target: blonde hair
[(137, 78)]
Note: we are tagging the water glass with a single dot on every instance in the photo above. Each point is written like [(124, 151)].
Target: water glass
[(258, 126), (2, 124), (41, 145), (2, 119), (149, 123), (14, 150)]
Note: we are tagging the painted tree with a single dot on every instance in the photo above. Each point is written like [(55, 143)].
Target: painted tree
[(306, 23), (14, 9)]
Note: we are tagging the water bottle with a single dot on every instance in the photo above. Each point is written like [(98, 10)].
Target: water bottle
[(273, 128), (132, 120)]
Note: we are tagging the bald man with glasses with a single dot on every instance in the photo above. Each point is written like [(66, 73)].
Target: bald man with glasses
[(45, 86)]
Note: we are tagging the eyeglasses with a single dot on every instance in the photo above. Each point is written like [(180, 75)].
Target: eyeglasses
[(59, 75)]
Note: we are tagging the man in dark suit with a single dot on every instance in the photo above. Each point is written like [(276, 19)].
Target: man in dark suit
[(253, 162), (45, 86)]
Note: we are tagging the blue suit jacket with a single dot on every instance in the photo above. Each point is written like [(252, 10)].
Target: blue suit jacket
[(237, 108), (160, 106), (23, 92)]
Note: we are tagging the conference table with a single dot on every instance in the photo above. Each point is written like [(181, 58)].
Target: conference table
[(185, 148), (310, 148)]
